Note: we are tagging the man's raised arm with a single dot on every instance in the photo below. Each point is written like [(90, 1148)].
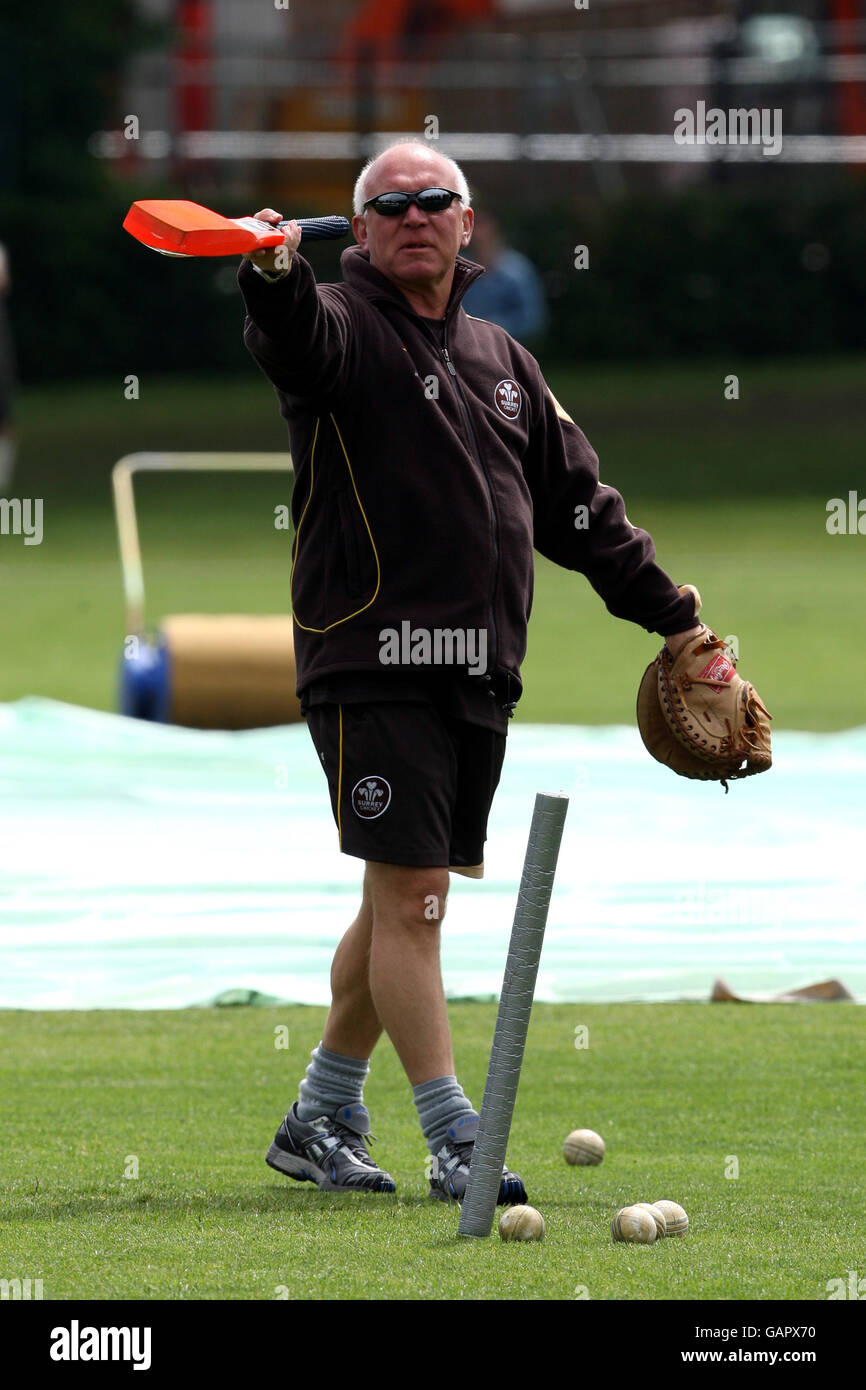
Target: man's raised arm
[(300, 334)]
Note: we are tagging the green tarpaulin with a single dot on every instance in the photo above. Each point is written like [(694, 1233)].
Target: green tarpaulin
[(146, 866)]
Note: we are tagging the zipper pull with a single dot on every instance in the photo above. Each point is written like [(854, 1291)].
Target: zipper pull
[(448, 363)]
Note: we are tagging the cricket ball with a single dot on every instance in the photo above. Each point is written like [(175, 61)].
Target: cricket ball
[(635, 1225), (676, 1218), (658, 1216), (521, 1223), (583, 1148)]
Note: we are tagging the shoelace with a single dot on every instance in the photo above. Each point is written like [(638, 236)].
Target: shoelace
[(356, 1142), (465, 1152)]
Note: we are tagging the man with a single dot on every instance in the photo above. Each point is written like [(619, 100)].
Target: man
[(510, 291), (429, 458)]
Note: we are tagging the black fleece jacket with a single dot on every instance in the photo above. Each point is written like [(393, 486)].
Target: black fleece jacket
[(428, 463)]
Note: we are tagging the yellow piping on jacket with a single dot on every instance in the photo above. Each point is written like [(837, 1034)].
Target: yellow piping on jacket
[(337, 621)]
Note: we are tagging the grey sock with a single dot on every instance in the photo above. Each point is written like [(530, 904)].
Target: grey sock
[(440, 1103), (331, 1081)]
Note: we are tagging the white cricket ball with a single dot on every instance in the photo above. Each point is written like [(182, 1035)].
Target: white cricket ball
[(521, 1223), (635, 1225), (584, 1148), (658, 1216), (675, 1216)]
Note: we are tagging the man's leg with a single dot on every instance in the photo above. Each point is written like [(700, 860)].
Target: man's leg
[(353, 1027), (405, 977), (389, 960), (406, 985), (407, 991), (391, 951), (323, 1137)]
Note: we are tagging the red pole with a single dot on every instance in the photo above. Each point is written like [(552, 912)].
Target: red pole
[(852, 94), (193, 91)]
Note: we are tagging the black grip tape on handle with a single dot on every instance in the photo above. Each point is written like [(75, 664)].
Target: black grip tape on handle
[(320, 228)]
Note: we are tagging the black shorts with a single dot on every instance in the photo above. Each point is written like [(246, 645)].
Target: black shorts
[(409, 782)]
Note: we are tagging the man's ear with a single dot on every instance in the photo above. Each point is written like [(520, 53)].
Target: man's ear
[(468, 224), (359, 227)]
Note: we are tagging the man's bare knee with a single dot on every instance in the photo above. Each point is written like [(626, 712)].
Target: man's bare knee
[(415, 894)]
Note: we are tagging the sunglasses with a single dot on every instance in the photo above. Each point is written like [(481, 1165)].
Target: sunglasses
[(427, 200)]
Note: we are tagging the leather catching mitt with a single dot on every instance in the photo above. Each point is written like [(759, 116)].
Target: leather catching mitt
[(699, 717)]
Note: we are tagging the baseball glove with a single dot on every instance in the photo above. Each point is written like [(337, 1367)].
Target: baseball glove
[(699, 717)]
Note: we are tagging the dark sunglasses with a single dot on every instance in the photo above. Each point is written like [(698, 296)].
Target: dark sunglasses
[(427, 200)]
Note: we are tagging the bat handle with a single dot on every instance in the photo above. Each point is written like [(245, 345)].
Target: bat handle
[(320, 228)]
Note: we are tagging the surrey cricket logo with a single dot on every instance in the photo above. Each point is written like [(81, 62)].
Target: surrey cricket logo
[(508, 398), (370, 797)]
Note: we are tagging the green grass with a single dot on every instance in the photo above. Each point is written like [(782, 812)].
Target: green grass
[(769, 574), (677, 1091), (663, 429), (733, 493)]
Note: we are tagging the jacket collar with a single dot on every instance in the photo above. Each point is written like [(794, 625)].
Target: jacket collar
[(364, 277)]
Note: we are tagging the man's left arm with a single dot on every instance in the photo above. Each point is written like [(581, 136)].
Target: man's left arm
[(581, 524)]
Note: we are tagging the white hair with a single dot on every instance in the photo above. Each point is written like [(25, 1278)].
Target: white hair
[(459, 183)]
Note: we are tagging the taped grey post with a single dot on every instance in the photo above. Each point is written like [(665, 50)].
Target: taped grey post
[(512, 1020)]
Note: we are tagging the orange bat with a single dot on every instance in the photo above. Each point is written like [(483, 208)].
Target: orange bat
[(175, 227)]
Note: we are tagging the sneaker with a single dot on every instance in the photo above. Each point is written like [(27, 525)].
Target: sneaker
[(449, 1169), (329, 1151)]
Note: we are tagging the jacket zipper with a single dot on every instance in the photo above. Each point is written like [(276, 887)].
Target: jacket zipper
[(477, 452)]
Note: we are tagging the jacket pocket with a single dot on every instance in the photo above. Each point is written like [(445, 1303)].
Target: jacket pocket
[(351, 544)]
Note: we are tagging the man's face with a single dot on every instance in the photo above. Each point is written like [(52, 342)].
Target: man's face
[(416, 249)]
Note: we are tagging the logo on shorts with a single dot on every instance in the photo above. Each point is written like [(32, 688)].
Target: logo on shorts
[(508, 398), (370, 797)]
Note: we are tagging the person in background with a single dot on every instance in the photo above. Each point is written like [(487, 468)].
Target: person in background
[(510, 292), (7, 381)]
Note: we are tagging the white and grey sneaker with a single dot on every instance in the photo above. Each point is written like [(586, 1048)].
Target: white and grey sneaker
[(330, 1151), (448, 1170)]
